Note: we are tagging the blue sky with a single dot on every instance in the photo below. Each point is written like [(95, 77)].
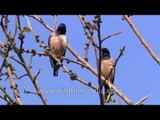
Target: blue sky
[(136, 75)]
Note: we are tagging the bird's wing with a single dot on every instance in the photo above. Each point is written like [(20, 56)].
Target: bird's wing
[(66, 47), (51, 60), (49, 40), (112, 77)]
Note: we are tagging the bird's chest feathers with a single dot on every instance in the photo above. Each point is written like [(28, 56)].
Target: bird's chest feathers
[(106, 66), (58, 43)]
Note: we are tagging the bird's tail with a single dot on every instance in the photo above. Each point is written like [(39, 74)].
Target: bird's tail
[(55, 71)]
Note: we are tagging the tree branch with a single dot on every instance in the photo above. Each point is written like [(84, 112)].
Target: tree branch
[(55, 21), (143, 99), (142, 40), (19, 54), (6, 96), (30, 92), (90, 36), (109, 36), (14, 87), (42, 22), (76, 62), (34, 81), (120, 54), (98, 19)]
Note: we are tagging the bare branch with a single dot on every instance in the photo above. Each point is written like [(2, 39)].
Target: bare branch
[(143, 99), (98, 19), (120, 54), (1, 68), (30, 92), (109, 36), (21, 76), (77, 78), (86, 50), (90, 37), (33, 52), (34, 81), (6, 96), (35, 77), (14, 87), (19, 62), (76, 62), (30, 63), (42, 22), (16, 27), (55, 21), (87, 83), (142, 40), (5, 99), (9, 37)]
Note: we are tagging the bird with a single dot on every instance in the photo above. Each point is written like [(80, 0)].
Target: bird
[(107, 71), (57, 41)]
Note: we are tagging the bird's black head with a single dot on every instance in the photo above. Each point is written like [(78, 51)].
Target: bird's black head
[(61, 30), (105, 52)]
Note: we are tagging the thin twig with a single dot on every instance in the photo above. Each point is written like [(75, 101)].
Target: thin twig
[(33, 53), (109, 36), (30, 92), (34, 81), (90, 37), (77, 78), (14, 87), (16, 27), (8, 37), (21, 76), (19, 62), (142, 40), (21, 35), (143, 99), (100, 58), (82, 18), (19, 23), (87, 83), (86, 50), (55, 21), (30, 63), (6, 97), (35, 77), (76, 62), (42, 22), (119, 56), (1, 68)]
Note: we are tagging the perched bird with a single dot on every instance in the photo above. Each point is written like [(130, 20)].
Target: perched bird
[(107, 70), (57, 42)]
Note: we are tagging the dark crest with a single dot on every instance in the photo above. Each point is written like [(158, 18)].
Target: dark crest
[(61, 30), (105, 52)]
